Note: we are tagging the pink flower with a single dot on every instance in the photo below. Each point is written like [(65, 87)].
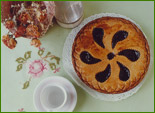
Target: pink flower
[(21, 110), (56, 70), (36, 68)]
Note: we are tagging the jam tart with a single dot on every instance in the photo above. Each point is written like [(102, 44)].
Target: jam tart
[(111, 55)]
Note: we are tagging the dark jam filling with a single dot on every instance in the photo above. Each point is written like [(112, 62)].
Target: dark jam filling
[(98, 36), (110, 56), (88, 58), (132, 55), (104, 75), (124, 73), (119, 36)]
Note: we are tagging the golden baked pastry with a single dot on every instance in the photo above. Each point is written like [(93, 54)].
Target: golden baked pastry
[(111, 55)]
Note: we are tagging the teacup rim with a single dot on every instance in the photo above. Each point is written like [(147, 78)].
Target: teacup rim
[(69, 107), (64, 92)]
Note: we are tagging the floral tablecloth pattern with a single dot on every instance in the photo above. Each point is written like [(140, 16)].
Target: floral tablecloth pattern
[(35, 67)]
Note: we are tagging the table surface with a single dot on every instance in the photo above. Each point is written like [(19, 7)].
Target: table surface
[(14, 98)]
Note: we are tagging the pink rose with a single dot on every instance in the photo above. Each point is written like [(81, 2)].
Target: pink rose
[(36, 68), (21, 110)]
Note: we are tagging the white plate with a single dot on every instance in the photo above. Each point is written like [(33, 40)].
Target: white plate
[(68, 66), (64, 83)]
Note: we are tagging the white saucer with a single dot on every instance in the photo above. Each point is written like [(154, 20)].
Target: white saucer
[(64, 83)]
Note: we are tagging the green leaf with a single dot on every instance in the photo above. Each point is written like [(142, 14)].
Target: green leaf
[(57, 59), (27, 55), (40, 52), (48, 54), (20, 60), (26, 84), (52, 66), (19, 67)]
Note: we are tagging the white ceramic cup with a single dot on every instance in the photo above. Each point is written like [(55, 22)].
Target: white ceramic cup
[(53, 97)]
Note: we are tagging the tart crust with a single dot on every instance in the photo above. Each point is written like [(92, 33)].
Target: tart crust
[(136, 40)]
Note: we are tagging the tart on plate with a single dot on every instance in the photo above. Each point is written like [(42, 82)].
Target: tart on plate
[(111, 55)]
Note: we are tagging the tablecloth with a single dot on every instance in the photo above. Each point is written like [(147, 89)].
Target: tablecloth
[(19, 78)]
